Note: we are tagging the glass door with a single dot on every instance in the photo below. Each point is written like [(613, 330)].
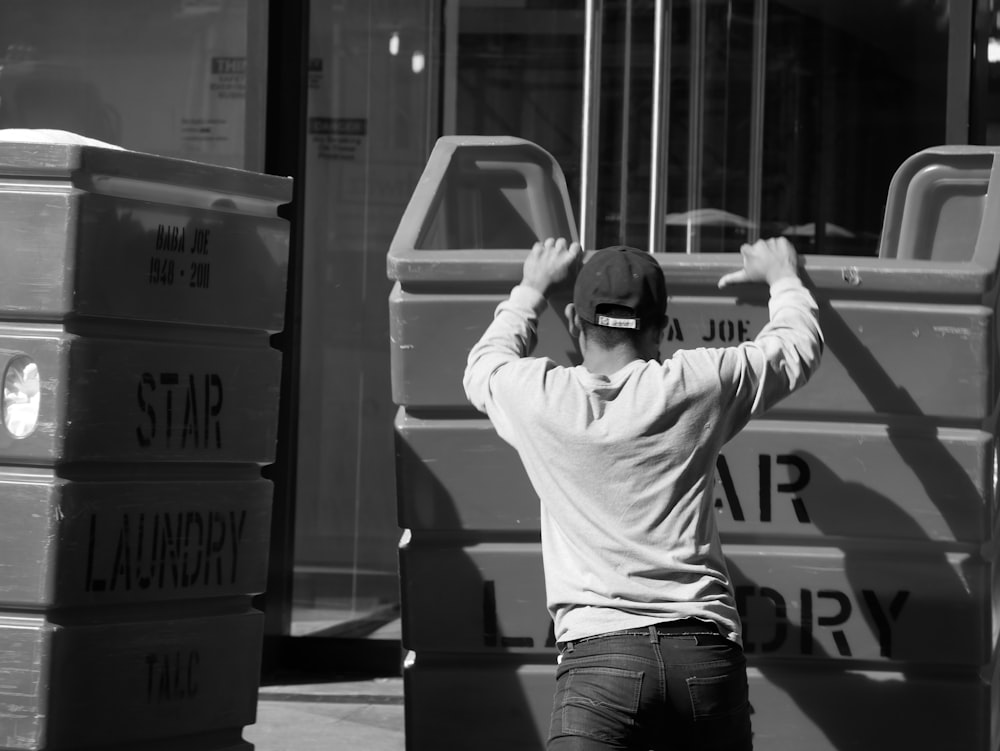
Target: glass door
[(369, 129)]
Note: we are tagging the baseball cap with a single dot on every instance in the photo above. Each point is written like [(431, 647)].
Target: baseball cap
[(625, 277)]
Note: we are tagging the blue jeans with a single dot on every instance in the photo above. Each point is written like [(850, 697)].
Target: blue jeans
[(672, 686)]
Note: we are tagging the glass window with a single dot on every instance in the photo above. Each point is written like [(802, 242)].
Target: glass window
[(517, 70), (179, 78), (779, 116), (790, 117)]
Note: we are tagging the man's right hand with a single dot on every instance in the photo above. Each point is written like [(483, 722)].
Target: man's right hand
[(551, 263), (764, 261)]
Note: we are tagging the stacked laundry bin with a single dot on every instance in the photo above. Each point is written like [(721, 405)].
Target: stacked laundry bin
[(859, 518), (140, 396)]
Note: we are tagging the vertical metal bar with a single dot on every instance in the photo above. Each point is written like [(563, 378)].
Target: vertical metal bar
[(449, 117), (591, 122), (828, 138), (696, 120), (625, 126), (758, 84), (959, 66), (979, 90), (434, 101), (285, 154), (660, 127)]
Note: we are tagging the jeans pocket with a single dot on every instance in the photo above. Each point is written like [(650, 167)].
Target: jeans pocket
[(717, 695), (720, 707), (598, 702)]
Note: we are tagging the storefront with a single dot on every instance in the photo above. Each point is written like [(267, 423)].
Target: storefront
[(683, 126)]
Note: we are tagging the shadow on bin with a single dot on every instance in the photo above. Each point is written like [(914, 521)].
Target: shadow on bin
[(936, 671), (474, 696), (847, 698), (479, 206)]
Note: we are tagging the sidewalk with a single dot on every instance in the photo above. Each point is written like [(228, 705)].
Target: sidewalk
[(309, 708), (351, 715)]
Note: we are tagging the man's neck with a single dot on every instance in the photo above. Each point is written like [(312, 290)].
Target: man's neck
[(607, 361)]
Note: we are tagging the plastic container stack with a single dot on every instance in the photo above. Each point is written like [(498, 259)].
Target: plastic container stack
[(859, 517), (140, 398)]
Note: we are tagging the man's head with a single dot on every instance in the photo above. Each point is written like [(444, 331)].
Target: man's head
[(620, 297)]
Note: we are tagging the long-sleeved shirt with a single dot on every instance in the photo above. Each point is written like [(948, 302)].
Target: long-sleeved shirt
[(624, 464)]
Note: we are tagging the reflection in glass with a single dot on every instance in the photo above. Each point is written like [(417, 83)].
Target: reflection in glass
[(519, 72), (179, 79), (847, 92), (783, 116)]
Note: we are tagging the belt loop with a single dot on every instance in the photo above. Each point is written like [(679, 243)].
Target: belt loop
[(654, 635), (569, 648)]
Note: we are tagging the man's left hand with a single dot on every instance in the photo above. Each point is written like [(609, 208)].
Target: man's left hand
[(550, 263)]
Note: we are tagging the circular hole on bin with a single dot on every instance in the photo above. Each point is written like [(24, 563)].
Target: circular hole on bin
[(21, 396)]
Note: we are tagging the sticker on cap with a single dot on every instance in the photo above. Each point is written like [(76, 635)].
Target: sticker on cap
[(618, 323)]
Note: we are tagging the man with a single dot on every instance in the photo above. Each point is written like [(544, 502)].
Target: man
[(621, 451)]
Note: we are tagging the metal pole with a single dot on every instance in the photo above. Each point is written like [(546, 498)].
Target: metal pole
[(449, 115), (960, 36), (591, 122), (756, 167), (285, 154), (660, 127), (625, 124), (696, 120)]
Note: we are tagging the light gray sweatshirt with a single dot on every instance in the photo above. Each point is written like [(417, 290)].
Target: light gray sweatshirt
[(624, 464)]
